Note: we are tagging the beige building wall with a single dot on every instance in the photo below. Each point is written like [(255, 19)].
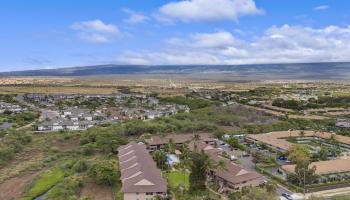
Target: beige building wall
[(138, 196), (253, 183)]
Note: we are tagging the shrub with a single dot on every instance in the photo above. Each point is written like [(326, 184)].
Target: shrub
[(80, 166), (104, 172)]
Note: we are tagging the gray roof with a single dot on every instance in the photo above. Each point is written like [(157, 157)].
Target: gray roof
[(4, 126)]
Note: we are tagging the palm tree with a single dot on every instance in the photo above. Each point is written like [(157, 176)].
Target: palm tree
[(160, 157), (171, 146), (196, 137), (184, 165), (221, 165)]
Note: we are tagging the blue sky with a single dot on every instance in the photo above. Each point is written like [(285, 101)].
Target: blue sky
[(61, 33)]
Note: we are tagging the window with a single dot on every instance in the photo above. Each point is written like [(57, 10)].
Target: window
[(149, 193)]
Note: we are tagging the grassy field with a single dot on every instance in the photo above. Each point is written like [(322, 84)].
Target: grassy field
[(45, 181), (56, 90), (176, 178)]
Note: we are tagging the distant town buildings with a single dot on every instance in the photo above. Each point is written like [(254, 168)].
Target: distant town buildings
[(90, 110), (13, 108)]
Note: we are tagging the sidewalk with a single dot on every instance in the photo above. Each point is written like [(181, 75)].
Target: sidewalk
[(330, 193)]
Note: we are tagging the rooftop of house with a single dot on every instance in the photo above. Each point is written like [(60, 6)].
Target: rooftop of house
[(325, 167), (232, 172), (177, 138), (139, 172)]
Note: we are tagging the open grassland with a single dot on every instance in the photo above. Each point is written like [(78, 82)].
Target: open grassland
[(44, 182), (56, 90)]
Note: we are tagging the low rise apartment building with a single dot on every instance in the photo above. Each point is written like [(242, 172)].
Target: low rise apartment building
[(140, 177), (158, 142), (232, 176), (327, 171)]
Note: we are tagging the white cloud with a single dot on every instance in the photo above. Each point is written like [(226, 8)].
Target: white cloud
[(96, 31), (283, 44), (321, 7), (135, 17), (208, 10)]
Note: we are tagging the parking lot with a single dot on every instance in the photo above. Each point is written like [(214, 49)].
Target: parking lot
[(245, 160)]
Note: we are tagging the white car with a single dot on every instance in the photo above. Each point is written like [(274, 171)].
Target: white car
[(233, 158)]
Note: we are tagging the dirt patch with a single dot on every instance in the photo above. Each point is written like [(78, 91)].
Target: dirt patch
[(13, 188), (22, 162), (67, 144), (96, 192)]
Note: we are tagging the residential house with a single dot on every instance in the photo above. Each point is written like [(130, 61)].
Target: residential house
[(327, 171), (157, 142), (232, 176)]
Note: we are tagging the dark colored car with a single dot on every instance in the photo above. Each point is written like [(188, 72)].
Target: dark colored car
[(287, 196)]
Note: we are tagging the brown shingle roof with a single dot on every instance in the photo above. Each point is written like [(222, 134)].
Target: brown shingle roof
[(325, 167), (233, 173), (139, 172), (177, 138)]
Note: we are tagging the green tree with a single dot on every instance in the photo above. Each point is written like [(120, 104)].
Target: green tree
[(233, 142), (323, 153), (199, 167), (305, 173), (301, 157), (298, 153), (170, 146), (253, 193), (109, 142), (159, 157), (104, 172), (271, 187), (220, 165)]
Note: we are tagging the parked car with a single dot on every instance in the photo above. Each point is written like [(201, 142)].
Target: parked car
[(263, 182), (233, 158), (287, 196), (245, 154)]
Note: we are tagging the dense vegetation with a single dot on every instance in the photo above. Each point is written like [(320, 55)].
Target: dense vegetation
[(192, 102), (322, 102), (13, 143), (19, 119), (290, 104)]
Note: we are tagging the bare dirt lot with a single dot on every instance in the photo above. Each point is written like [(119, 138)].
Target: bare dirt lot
[(13, 188), (96, 192)]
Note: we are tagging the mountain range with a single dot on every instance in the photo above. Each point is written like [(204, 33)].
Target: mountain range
[(300, 71)]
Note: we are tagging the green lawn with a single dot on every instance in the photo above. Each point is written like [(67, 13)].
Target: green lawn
[(176, 178), (46, 181)]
